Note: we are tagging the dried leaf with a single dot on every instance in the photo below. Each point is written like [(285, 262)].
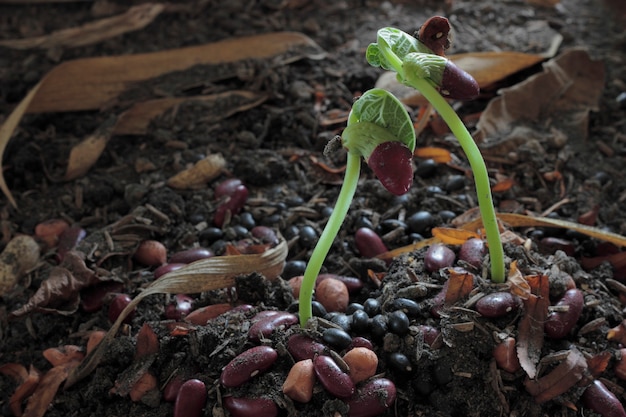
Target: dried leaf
[(460, 284), (147, 342), (517, 283), (530, 328), (63, 355), (43, 395), (503, 185), (597, 364), (145, 384), (84, 155), (451, 236), (617, 261), (135, 18), (20, 255), (27, 380), (199, 174), (60, 293), (203, 275), (135, 121), (439, 155), (560, 379)]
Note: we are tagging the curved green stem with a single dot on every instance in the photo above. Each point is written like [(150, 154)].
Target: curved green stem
[(481, 178), (351, 179)]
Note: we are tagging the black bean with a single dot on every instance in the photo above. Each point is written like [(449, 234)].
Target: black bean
[(399, 362), (327, 211), (363, 222), (398, 322), (337, 338), (455, 183), (293, 269), (410, 307), (388, 225), (378, 326), (421, 222), (371, 306), (308, 236), (291, 232), (360, 321), (239, 231), (294, 201), (247, 220), (426, 168), (211, 234), (447, 215), (433, 189), (352, 307), (442, 373), (342, 320), (318, 309), (424, 384)]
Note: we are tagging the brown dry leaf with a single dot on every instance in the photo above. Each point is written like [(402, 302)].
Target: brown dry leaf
[(570, 86), (135, 18), (407, 249), (503, 185), (47, 388), (199, 174), (27, 380), (560, 379), (147, 342), (530, 328), (203, 275), (517, 283), (145, 384), (617, 261), (135, 121), (85, 154), (439, 155), (60, 293), (460, 284), (597, 364), (63, 355), (451, 236)]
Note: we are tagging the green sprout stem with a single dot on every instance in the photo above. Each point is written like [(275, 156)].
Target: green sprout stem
[(348, 188), (481, 178)]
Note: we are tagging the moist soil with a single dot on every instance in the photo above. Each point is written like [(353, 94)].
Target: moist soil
[(270, 148)]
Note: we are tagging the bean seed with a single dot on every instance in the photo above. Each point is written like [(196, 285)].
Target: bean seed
[(497, 304), (265, 234), (410, 307), (293, 268), (300, 381), (303, 347), (373, 398), (360, 321), (202, 315), (559, 324), (318, 309), (550, 245), (371, 307), (400, 362), (362, 362), (333, 294), (359, 341), (378, 326), (165, 268), (368, 243), (352, 307), (431, 335), (68, 240), (231, 206), (92, 298), (505, 355), (151, 253), (247, 365), (421, 222), (473, 252), (267, 325), (341, 320), (398, 322), (170, 392), (250, 407), (598, 398), (227, 187), (308, 237), (246, 220), (191, 399), (119, 303), (180, 308), (352, 283), (190, 255), (332, 378), (438, 256), (337, 338)]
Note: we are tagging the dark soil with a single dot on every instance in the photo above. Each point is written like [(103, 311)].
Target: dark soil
[(268, 148)]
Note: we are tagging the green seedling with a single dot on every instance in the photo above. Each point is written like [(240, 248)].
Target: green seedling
[(380, 131)]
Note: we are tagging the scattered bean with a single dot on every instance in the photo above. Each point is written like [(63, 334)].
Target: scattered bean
[(398, 322), (362, 362), (191, 255), (296, 283), (170, 392), (247, 365), (265, 234), (353, 284), (410, 307), (227, 188), (231, 206), (372, 307), (337, 338), (551, 244), (368, 243), (497, 304), (151, 253), (373, 398), (303, 347), (165, 268), (340, 319), (267, 325), (119, 303), (294, 268), (332, 378), (359, 341), (333, 294), (318, 309), (191, 399), (473, 252), (180, 308), (431, 335), (250, 407), (308, 236), (620, 366), (68, 240), (505, 355), (378, 326), (400, 362), (300, 381), (360, 321), (598, 398), (352, 307), (202, 315), (438, 256), (421, 222), (92, 298), (559, 324)]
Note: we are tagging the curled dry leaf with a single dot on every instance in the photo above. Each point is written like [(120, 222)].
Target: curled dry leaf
[(460, 284), (86, 153), (439, 155), (530, 328), (199, 174), (47, 388), (27, 380), (20, 255), (560, 379), (203, 275), (135, 18), (147, 342), (451, 236)]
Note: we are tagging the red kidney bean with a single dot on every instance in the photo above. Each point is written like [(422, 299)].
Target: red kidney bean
[(265, 234), (68, 240), (431, 335), (267, 325), (165, 268), (170, 392), (439, 300), (438, 256), (332, 377), (353, 284), (391, 162), (250, 407), (598, 398), (92, 298), (497, 304), (191, 399), (552, 244), (372, 399), (303, 347), (368, 243), (119, 303), (505, 355), (227, 187), (559, 324), (180, 308), (202, 315), (233, 204), (359, 341), (458, 84), (151, 253), (247, 365), (473, 251), (190, 255)]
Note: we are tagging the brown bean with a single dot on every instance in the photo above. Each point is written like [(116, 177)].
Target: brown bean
[(191, 399), (332, 294), (151, 253), (559, 324), (303, 347), (190, 255), (497, 304), (119, 303), (598, 398), (373, 398), (267, 325), (431, 335), (250, 407), (332, 377), (505, 355), (68, 240), (359, 341), (247, 365), (202, 315), (49, 231), (353, 284), (300, 381), (362, 362), (231, 206)]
